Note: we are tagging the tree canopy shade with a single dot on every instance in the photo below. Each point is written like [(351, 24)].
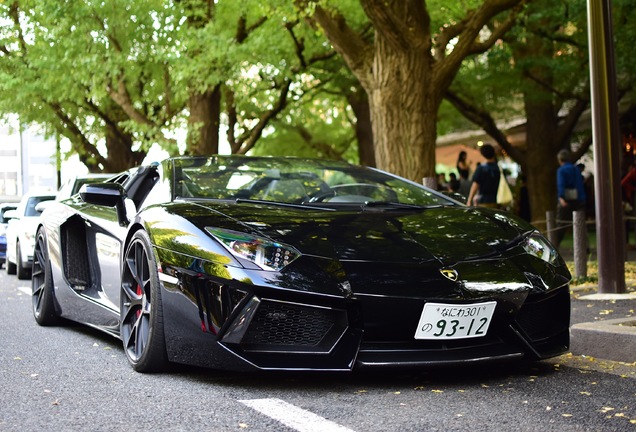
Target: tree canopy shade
[(118, 77), (362, 80), (540, 73), (94, 72), (406, 53)]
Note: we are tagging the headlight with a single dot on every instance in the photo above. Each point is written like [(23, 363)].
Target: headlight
[(29, 237), (539, 246), (265, 253)]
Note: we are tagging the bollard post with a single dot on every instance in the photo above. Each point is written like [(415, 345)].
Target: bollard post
[(430, 182), (580, 244), (550, 221)]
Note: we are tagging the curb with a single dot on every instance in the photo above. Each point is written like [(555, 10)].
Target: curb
[(613, 339)]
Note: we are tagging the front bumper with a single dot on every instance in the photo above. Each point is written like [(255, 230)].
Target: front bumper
[(227, 324)]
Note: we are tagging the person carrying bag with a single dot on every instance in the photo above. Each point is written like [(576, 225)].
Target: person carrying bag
[(504, 193)]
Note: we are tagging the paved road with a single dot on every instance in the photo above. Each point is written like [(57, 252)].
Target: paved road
[(76, 379)]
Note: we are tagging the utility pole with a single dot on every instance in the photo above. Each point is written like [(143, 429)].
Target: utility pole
[(58, 161), (610, 229)]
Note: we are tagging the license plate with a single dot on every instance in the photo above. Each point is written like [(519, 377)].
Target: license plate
[(455, 321)]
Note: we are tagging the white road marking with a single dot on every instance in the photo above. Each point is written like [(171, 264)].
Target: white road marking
[(294, 417), (25, 290)]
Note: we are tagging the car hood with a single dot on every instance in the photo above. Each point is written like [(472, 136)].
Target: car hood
[(448, 234)]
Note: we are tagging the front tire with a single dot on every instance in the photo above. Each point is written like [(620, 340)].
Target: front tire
[(23, 271), (43, 295), (11, 269), (141, 310)]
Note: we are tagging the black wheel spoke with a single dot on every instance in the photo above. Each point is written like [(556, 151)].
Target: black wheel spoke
[(37, 300), (136, 289), (142, 334), (42, 286)]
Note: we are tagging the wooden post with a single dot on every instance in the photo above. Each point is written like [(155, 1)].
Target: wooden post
[(550, 222), (430, 182), (610, 251), (580, 244)]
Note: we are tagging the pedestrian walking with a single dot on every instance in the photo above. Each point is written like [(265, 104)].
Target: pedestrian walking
[(483, 191), (570, 193)]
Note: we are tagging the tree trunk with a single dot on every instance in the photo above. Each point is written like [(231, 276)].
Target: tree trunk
[(541, 130), (542, 123), (203, 122), (359, 103), (120, 155), (403, 112)]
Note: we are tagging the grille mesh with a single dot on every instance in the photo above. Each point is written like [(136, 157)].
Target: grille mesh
[(545, 318), (289, 325), (76, 256)]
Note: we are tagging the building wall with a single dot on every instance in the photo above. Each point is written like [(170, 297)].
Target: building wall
[(27, 161)]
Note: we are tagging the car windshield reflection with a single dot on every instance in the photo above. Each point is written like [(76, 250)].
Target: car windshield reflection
[(296, 181)]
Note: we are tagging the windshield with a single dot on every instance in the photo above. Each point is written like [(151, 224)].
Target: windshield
[(30, 209), (294, 181)]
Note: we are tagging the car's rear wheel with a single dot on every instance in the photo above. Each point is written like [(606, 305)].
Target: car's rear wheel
[(142, 330), (43, 296), (24, 272)]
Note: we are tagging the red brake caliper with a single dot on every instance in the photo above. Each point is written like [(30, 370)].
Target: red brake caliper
[(138, 313)]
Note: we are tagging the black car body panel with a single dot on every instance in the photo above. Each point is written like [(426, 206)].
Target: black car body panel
[(351, 291)]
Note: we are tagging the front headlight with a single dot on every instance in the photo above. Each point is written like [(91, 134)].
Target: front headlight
[(266, 254), (30, 238), (539, 246)]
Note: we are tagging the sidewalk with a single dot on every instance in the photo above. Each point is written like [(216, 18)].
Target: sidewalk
[(603, 325)]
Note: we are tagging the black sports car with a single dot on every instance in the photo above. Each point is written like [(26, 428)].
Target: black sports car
[(239, 263)]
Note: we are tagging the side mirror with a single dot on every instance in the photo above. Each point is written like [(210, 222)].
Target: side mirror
[(42, 205), (107, 195), (11, 214)]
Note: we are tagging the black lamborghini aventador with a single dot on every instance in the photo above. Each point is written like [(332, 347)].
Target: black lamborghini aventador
[(242, 263)]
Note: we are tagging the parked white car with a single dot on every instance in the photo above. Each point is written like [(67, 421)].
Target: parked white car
[(72, 186), (21, 228)]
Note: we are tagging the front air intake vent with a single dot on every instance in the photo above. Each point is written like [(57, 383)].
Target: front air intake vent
[(284, 326)]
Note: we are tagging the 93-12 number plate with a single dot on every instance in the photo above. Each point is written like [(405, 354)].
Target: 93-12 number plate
[(455, 321)]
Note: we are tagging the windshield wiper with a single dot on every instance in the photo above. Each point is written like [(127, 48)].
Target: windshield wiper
[(281, 204), (392, 205)]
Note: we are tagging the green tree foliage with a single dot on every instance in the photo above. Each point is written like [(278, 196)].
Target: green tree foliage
[(117, 77), (96, 72), (406, 53), (539, 77)]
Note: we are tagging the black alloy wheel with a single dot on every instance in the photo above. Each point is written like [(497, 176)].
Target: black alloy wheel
[(141, 312), (43, 295)]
